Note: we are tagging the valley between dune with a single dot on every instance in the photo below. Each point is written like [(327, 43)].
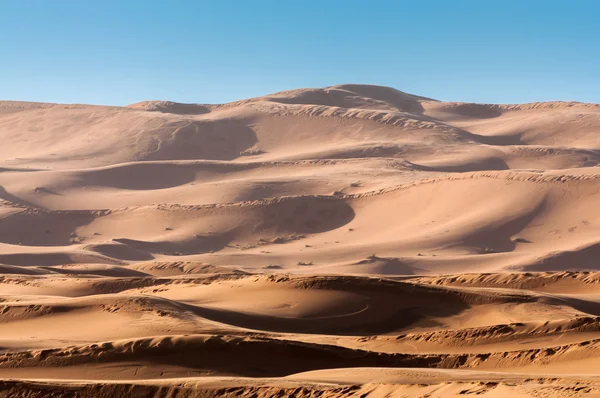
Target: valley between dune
[(347, 241)]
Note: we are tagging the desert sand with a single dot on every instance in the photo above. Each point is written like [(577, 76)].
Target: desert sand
[(348, 241)]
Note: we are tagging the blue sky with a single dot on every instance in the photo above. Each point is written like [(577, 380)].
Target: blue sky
[(123, 51)]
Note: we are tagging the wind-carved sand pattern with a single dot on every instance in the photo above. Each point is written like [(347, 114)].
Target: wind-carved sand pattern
[(350, 241)]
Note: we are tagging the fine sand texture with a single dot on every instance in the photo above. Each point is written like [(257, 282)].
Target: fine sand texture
[(349, 241)]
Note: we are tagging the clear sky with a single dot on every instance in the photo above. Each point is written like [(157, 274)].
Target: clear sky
[(124, 51)]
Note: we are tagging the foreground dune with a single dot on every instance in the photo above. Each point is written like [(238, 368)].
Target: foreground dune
[(346, 241)]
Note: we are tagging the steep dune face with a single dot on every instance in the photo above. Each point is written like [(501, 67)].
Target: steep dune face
[(314, 242)]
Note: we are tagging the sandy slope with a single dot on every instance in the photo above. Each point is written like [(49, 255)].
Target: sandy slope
[(346, 241)]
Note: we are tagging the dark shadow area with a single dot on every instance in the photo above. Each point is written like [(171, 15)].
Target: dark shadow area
[(139, 176), (196, 245), (475, 165), (5, 195), (203, 139), (36, 259), (43, 228), (581, 259), (497, 238), (303, 215), (120, 251), (477, 111)]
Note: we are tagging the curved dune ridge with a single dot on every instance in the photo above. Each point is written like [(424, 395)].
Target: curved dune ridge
[(346, 241)]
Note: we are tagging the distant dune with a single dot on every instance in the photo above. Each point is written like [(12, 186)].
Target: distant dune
[(347, 241)]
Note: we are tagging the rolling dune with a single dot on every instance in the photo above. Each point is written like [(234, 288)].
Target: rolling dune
[(347, 241)]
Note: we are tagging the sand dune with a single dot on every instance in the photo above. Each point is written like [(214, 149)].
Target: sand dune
[(346, 241)]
